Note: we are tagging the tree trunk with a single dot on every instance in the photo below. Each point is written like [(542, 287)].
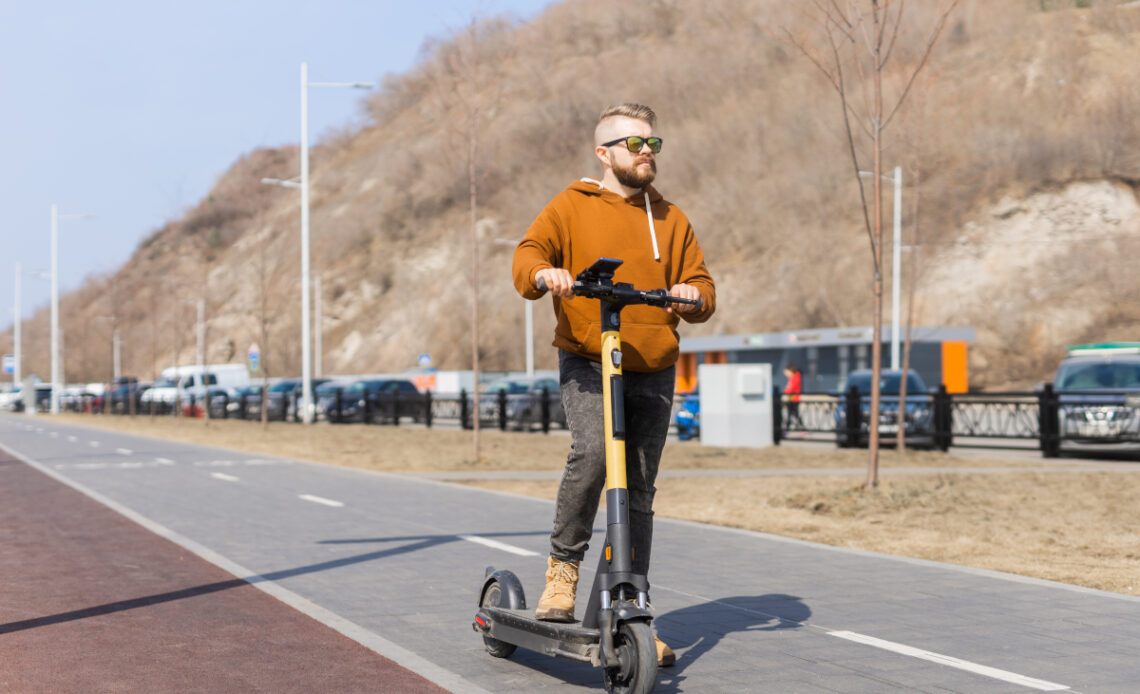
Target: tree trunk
[(472, 151), (877, 322)]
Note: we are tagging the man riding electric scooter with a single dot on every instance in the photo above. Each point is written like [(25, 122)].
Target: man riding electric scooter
[(619, 216)]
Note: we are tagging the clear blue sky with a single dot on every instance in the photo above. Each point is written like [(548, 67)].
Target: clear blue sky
[(130, 109)]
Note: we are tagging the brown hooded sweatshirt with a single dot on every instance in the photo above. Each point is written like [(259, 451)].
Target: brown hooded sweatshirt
[(586, 222)]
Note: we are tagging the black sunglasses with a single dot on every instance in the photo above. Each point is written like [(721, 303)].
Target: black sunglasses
[(635, 143)]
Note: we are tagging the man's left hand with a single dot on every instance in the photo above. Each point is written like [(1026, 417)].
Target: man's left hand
[(684, 291)]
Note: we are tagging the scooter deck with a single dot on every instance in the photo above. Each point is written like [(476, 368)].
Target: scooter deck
[(563, 639)]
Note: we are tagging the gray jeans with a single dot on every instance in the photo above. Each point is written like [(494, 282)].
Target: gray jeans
[(648, 404)]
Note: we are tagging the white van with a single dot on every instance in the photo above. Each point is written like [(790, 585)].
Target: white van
[(184, 382)]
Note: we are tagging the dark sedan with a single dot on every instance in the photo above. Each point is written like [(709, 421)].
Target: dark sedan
[(524, 397), (916, 420), (371, 400)]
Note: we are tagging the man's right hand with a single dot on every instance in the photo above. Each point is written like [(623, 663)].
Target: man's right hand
[(559, 282)]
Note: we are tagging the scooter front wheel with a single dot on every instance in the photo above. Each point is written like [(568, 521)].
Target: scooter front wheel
[(636, 672), (493, 597)]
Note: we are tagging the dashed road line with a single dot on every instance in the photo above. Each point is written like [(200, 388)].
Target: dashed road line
[(321, 500), (164, 461), (495, 544), (950, 661), (93, 444), (124, 451), (223, 476)]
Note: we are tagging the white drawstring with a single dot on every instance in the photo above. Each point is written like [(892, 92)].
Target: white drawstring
[(652, 230)]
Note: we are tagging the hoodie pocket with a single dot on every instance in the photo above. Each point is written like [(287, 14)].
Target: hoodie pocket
[(651, 346)]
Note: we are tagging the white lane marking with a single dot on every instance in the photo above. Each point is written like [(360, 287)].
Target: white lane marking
[(72, 439), (124, 451), (93, 444), (950, 661), (214, 463), (320, 500), (126, 465), (223, 476), (164, 461), (495, 544), (55, 434)]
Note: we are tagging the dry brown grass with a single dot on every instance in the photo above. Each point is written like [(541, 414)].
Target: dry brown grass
[(1068, 525)]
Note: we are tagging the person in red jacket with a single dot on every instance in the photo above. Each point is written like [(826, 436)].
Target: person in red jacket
[(620, 216), (792, 391)]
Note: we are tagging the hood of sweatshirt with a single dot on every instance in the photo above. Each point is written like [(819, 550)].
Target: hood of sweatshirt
[(593, 187)]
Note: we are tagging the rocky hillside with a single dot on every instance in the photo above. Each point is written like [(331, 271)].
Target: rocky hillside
[(1021, 168)]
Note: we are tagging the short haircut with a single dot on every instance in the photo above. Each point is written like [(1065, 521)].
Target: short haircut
[(630, 110)]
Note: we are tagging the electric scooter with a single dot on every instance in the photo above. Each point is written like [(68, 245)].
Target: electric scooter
[(614, 632)]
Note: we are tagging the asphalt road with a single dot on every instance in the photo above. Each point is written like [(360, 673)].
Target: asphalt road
[(394, 563)]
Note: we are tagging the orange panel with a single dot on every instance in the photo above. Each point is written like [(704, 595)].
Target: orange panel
[(955, 374), (686, 373), (715, 358)]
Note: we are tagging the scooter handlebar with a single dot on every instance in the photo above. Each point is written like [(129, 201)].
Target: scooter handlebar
[(658, 297)]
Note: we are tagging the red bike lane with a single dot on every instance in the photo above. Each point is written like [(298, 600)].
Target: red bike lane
[(92, 602)]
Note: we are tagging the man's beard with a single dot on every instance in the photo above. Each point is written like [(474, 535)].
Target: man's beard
[(633, 176)]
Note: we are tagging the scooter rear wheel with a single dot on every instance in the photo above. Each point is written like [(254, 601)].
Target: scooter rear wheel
[(493, 597), (637, 658)]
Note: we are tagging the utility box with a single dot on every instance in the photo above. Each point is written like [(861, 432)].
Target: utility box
[(736, 404)]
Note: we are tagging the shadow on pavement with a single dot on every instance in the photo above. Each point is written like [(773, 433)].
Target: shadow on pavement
[(696, 630), (414, 544)]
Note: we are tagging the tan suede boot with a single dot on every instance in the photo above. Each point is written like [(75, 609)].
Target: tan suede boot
[(557, 601), (665, 655)]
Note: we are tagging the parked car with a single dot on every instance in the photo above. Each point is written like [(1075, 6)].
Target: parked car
[(325, 397), (1098, 394), (160, 396), (284, 398), (688, 417), (252, 401), (524, 402), (122, 391), (917, 419), (371, 399)]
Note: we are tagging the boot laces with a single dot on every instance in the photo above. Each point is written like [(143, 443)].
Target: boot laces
[(563, 577)]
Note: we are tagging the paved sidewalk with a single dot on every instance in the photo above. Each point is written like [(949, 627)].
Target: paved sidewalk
[(91, 602)]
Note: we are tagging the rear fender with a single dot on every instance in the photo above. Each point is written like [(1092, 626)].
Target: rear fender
[(509, 585)]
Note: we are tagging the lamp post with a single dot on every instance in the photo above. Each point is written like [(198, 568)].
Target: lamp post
[(528, 316), (17, 328), (896, 263), (306, 347), (17, 319), (318, 337), (56, 376)]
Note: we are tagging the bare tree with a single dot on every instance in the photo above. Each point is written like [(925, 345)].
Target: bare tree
[(468, 86), (264, 313), (862, 35)]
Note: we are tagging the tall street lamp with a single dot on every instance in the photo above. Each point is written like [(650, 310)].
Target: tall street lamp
[(56, 376), (17, 377), (896, 263), (17, 314), (528, 316), (306, 346)]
